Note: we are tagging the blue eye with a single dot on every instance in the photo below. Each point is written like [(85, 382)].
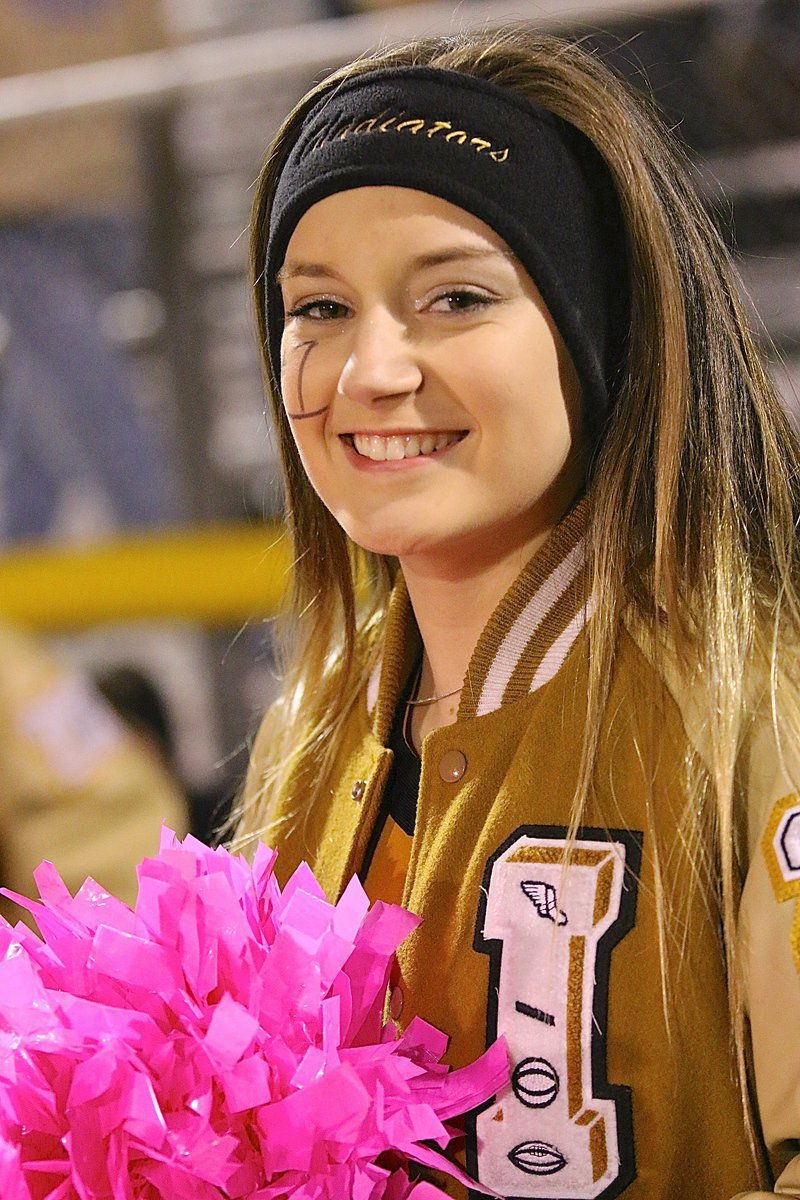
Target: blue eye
[(319, 310)]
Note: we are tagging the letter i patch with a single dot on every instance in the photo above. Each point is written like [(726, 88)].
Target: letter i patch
[(560, 1130)]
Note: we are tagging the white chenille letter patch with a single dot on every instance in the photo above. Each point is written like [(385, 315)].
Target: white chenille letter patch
[(560, 1130)]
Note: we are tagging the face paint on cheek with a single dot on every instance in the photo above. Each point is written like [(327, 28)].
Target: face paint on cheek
[(303, 415)]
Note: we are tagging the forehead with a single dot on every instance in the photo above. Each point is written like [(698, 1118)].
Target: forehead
[(398, 219)]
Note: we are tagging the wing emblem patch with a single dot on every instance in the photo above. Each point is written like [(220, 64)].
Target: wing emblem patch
[(544, 899)]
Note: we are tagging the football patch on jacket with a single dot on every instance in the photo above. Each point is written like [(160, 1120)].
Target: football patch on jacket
[(780, 846), (561, 1130)]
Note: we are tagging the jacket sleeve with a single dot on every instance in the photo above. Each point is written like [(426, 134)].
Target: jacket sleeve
[(769, 919), (769, 945)]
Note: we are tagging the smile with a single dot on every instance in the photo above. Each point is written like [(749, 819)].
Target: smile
[(394, 447)]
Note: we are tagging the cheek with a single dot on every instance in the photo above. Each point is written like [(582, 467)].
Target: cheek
[(311, 450), (527, 431), (296, 357), (303, 381)]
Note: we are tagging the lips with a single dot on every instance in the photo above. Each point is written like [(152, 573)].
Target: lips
[(397, 446)]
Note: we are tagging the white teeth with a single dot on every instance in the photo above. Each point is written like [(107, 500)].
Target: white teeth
[(400, 446)]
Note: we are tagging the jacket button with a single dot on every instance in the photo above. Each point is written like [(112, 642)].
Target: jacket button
[(359, 787), (452, 766), (396, 1001)]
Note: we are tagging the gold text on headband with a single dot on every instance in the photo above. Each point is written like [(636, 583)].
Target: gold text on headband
[(400, 123)]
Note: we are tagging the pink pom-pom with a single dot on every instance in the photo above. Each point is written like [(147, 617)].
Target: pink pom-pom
[(223, 1041)]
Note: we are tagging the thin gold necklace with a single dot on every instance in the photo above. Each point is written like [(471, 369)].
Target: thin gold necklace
[(433, 699), (414, 703), (409, 704)]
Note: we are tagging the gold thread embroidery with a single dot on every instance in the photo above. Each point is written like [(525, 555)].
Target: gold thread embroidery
[(604, 890), (415, 124), (577, 951), (380, 123), (598, 1148), (794, 939), (557, 854)]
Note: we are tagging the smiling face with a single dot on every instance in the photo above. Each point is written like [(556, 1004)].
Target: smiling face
[(431, 399)]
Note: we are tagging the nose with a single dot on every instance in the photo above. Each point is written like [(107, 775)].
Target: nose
[(382, 362)]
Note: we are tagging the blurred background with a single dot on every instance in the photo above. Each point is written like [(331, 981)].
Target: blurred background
[(139, 504)]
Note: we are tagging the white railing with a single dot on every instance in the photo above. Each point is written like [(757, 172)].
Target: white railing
[(142, 80)]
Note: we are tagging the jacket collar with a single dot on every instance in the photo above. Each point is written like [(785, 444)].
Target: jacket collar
[(524, 643)]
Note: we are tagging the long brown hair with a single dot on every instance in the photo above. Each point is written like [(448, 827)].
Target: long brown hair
[(694, 484)]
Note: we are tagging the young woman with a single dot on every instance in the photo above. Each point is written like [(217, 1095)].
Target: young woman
[(542, 683)]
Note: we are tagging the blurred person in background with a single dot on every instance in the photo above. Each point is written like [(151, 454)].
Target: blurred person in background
[(138, 702), (77, 787), (78, 456)]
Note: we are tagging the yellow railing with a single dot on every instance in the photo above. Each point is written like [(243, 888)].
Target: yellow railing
[(218, 575)]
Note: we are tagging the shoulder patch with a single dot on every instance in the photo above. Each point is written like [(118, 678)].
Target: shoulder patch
[(781, 847)]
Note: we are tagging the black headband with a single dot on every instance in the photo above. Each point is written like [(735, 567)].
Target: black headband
[(535, 179)]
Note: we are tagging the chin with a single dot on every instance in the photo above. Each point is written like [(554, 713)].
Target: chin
[(391, 543), (387, 547)]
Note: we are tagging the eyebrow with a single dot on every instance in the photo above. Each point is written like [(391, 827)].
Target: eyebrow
[(312, 270), (438, 257), (309, 270)]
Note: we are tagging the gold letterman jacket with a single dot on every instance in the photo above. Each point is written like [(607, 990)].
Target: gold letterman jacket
[(614, 1091)]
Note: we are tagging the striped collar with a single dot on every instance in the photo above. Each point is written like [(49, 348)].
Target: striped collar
[(524, 643)]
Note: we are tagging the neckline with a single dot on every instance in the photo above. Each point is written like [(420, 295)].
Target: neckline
[(522, 645)]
